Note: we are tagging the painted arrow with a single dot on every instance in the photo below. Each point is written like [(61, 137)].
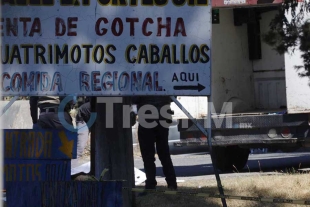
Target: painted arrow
[(67, 146), (199, 87)]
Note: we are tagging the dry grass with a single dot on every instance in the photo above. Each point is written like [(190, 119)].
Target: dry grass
[(289, 186)]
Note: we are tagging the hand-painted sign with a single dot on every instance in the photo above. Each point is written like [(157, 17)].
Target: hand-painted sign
[(39, 144), (50, 194), (38, 155), (104, 47), (36, 170)]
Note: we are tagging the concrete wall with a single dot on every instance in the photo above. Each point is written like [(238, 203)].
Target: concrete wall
[(17, 116)]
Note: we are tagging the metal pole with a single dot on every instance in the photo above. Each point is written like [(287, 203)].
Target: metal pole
[(9, 105), (208, 135)]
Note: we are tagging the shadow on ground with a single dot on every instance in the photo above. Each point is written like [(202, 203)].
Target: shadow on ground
[(165, 200)]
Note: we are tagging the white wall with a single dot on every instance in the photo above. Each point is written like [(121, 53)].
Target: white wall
[(297, 88), (271, 60), (17, 116), (232, 71), (196, 106), (269, 72)]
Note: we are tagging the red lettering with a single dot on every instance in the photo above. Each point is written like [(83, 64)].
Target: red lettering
[(11, 27), (84, 78), (95, 81), (161, 26), (144, 26), (103, 31), (16, 82), (60, 24), (132, 25), (179, 27), (25, 20), (71, 26), (36, 27), (56, 82), (119, 22), (5, 76)]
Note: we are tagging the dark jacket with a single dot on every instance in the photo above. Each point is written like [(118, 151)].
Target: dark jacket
[(84, 113), (43, 102), (157, 101)]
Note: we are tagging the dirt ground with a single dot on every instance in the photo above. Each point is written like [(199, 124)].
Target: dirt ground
[(288, 186)]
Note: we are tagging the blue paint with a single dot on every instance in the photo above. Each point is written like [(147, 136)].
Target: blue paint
[(115, 76), (39, 144), (56, 81), (45, 81), (18, 83), (136, 82), (123, 81), (37, 80), (6, 76), (147, 82), (105, 83), (84, 79), (95, 81), (235, 125), (28, 81), (36, 170), (71, 193)]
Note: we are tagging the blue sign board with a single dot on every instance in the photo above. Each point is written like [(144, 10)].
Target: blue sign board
[(71, 193), (36, 170), (39, 144), (38, 155)]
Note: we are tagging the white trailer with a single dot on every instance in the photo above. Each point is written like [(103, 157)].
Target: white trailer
[(270, 103)]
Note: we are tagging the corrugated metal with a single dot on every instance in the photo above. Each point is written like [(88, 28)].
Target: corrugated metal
[(270, 93)]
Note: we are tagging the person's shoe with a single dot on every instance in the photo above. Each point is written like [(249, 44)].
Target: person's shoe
[(173, 187)]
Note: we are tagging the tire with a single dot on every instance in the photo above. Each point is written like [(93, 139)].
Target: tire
[(230, 158)]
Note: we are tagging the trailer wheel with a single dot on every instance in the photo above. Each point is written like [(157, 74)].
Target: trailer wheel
[(230, 158)]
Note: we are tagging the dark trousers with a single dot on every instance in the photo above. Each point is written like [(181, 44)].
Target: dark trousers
[(147, 138)]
